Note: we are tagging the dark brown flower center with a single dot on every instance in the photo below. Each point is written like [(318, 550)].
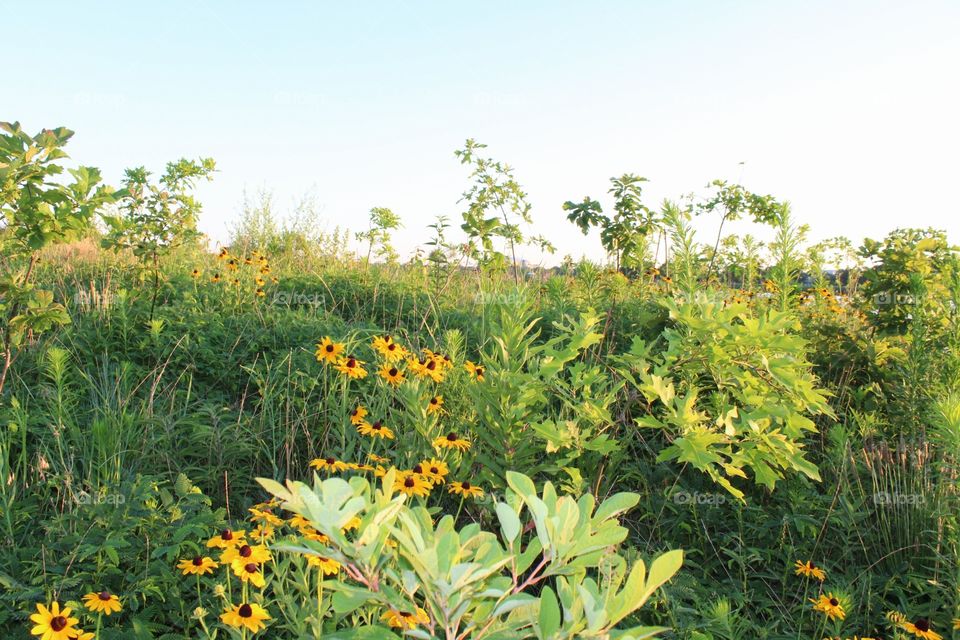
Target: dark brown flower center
[(418, 469), (246, 551), (104, 595), (391, 347), (376, 426), (434, 401), (250, 567), (465, 486), (834, 602), (226, 534), (329, 348), (409, 483), (351, 363), (922, 624), (58, 623), (245, 611), (198, 561), (434, 470), (431, 365), (479, 371), (452, 437), (330, 460), (393, 372)]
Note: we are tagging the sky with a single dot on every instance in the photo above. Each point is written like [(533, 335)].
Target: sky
[(849, 110)]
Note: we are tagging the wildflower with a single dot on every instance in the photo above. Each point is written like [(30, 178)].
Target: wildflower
[(197, 566), (235, 282), (327, 566), (216, 278), (256, 553), (328, 350), (809, 570), (248, 261), (357, 415), (246, 615), (352, 523), (299, 522), (434, 470), (390, 350), (227, 538), (260, 293), (83, 635), (435, 405), (475, 370), (391, 374), (53, 623), (328, 464), (466, 489), (376, 430), (411, 484), (375, 458), (921, 629), (265, 515), (195, 274), (248, 572), (232, 264), (829, 605), (451, 441), (405, 619), (262, 532), (956, 624), (103, 602), (223, 253), (351, 367)]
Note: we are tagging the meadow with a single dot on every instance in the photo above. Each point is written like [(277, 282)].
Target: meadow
[(301, 435)]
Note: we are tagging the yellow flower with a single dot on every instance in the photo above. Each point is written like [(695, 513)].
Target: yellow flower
[(256, 553), (809, 570), (251, 616), (451, 441), (411, 484), (427, 368), (262, 532), (223, 254), (435, 405), (921, 629), (198, 566), (260, 293), (259, 281), (405, 619), (390, 350), (232, 264), (376, 430), (476, 371), (352, 523), (327, 566), (328, 350), (83, 635), (328, 464), (358, 414), (956, 624), (102, 602), (375, 458), (466, 489), (248, 571), (52, 623), (829, 605), (351, 367), (264, 515), (215, 278), (227, 538), (391, 374), (434, 470), (195, 274)]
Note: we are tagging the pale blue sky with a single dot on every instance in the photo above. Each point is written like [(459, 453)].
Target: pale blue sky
[(847, 109)]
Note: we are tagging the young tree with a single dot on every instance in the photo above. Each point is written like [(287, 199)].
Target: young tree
[(382, 222), (36, 210)]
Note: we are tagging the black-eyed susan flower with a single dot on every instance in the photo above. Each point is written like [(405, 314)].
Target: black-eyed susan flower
[(375, 430), (328, 350), (830, 606), (351, 367), (260, 293), (375, 458), (226, 539), (248, 261), (223, 253), (215, 278), (391, 374), (476, 371), (451, 441), (299, 522), (327, 566), (235, 282), (249, 553), (435, 470), (956, 624), (262, 532), (809, 570), (265, 515), (352, 524), (102, 602), (248, 572), (405, 619), (83, 635), (411, 484), (435, 405), (232, 264), (465, 489), (195, 274), (53, 623), (198, 566), (328, 464), (249, 615), (259, 281), (921, 629), (358, 414)]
